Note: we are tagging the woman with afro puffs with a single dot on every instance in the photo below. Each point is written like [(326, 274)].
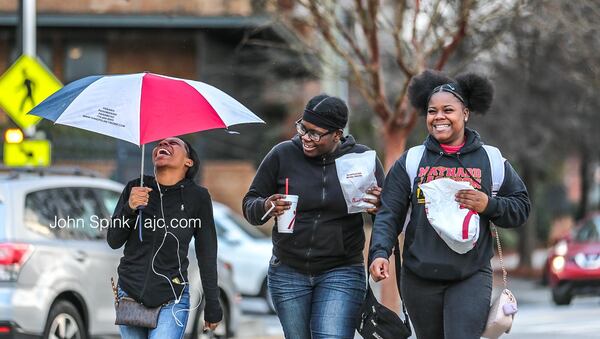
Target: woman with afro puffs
[(447, 294)]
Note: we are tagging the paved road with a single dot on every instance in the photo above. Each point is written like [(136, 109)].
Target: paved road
[(538, 318)]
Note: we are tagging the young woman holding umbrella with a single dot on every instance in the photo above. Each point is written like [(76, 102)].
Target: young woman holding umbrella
[(153, 269), (316, 275), (447, 293)]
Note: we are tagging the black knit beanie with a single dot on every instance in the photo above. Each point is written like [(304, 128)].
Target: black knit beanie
[(326, 112)]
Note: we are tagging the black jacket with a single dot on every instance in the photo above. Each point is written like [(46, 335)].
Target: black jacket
[(325, 235), (425, 253), (182, 201)]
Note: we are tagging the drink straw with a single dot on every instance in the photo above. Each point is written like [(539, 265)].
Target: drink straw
[(269, 211), (287, 181)]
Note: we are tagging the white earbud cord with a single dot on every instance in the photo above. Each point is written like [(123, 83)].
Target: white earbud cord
[(177, 298)]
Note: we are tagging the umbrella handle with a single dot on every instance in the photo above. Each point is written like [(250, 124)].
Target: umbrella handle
[(141, 221), (140, 208)]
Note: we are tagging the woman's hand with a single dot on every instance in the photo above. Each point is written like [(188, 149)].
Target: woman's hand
[(376, 201), (472, 199), (379, 269), (210, 326), (280, 205), (139, 196)]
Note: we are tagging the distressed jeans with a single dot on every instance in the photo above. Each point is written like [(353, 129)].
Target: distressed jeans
[(324, 305)]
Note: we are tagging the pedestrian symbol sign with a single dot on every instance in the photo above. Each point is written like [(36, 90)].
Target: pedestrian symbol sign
[(28, 153), (25, 84)]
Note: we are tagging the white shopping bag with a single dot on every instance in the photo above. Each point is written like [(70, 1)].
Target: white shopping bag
[(356, 172), (458, 227)]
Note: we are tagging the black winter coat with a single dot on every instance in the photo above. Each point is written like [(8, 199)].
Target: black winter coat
[(325, 235)]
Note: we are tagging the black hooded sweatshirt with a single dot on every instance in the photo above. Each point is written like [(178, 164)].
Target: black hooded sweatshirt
[(183, 204), (425, 253), (325, 236)]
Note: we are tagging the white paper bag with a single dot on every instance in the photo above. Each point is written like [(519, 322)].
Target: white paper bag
[(458, 227), (356, 172)]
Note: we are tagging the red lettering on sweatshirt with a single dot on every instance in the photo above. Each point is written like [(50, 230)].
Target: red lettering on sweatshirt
[(470, 175)]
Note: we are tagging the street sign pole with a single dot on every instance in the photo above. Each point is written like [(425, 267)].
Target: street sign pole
[(29, 27), (29, 39)]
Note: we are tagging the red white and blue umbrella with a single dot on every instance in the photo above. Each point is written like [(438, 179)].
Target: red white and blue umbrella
[(143, 107)]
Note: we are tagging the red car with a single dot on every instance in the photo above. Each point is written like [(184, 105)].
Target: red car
[(574, 263)]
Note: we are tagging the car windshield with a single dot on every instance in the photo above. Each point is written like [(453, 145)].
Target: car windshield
[(237, 222), (589, 231)]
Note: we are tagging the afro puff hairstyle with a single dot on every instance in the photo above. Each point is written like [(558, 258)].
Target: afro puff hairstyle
[(476, 90)]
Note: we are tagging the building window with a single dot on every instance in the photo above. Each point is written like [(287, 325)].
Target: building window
[(83, 59)]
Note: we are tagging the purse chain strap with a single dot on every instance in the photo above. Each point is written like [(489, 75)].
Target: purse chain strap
[(504, 274), (115, 292)]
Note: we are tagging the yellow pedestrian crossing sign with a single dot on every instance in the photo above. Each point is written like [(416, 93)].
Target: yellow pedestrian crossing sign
[(25, 84), (28, 153)]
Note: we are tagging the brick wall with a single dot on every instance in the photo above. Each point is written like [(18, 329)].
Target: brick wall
[(157, 54), (180, 7)]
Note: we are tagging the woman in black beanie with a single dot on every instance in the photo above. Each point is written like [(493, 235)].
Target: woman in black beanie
[(447, 294), (316, 275)]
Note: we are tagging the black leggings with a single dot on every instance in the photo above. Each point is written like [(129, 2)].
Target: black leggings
[(448, 310)]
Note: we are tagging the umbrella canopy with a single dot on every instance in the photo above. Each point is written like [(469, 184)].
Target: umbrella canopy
[(143, 107)]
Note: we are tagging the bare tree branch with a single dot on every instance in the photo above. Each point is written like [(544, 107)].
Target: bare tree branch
[(374, 68), (325, 31), (398, 42), (463, 20), (414, 39), (433, 19), (351, 41)]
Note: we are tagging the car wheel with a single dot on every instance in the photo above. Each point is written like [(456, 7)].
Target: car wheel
[(561, 295), (222, 331), (64, 322)]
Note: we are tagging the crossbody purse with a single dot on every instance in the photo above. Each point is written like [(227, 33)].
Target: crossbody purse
[(129, 312), (504, 306)]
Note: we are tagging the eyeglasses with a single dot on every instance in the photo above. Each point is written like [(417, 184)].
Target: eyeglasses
[(312, 134)]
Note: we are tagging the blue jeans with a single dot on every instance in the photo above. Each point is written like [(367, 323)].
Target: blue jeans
[(167, 327), (324, 305)]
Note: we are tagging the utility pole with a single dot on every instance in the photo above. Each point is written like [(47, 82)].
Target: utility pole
[(27, 38)]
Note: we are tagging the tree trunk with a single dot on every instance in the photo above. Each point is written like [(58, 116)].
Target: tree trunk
[(527, 231), (395, 142), (394, 139), (585, 183)]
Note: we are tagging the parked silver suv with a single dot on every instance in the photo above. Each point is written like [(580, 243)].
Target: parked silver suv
[(54, 279)]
